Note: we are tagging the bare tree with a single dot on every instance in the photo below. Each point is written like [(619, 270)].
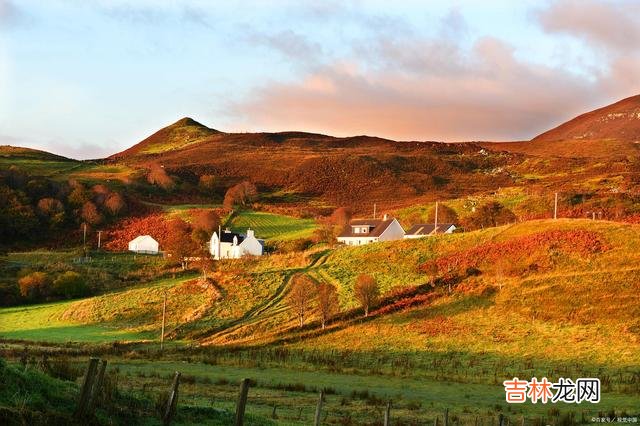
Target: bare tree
[(327, 302), (300, 296), (366, 292)]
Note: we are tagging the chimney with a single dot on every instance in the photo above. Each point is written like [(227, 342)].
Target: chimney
[(250, 233), (385, 217)]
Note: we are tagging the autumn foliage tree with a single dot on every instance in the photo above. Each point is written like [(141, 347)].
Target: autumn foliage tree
[(328, 305), (490, 215), (207, 184), (241, 194), (90, 214), (34, 285), (367, 292), (179, 242), (445, 214), (115, 204), (300, 296), (158, 176)]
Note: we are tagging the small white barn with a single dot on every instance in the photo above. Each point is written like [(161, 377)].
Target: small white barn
[(429, 229), (144, 244), (232, 245), (365, 231)]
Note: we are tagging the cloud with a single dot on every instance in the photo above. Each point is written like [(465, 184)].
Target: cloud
[(416, 88), (151, 14), (10, 14), (608, 24), (398, 83), (288, 43)]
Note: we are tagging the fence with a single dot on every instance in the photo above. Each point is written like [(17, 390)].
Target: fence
[(92, 382)]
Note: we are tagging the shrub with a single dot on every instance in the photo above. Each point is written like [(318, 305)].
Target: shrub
[(70, 284), (34, 285)]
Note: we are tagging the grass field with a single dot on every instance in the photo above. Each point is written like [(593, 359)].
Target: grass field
[(575, 314), (126, 315), (272, 226)]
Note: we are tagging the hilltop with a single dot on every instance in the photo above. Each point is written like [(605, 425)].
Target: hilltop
[(180, 134), (612, 131)]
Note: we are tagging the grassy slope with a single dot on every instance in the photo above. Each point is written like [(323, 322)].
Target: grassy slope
[(542, 323), (272, 226)]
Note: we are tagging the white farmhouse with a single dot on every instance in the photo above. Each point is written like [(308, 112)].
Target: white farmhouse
[(428, 229), (365, 231), (231, 245), (144, 244)]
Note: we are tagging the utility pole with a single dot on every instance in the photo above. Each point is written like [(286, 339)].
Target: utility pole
[(219, 240), (435, 224), (164, 314), (99, 232), (374, 210), (84, 239), (555, 207)]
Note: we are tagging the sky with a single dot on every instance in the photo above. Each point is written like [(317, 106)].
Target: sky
[(87, 78)]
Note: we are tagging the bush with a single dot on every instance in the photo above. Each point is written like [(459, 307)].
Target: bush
[(70, 284), (34, 285)]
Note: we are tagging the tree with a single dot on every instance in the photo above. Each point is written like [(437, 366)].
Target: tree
[(340, 216), (489, 215), (34, 285), (241, 194), (115, 204), (179, 242), (328, 305), (70, 284), (366, 292), (445, 214), (90, 213), (78, 195), (158, 176), (207, 220), (300, 296), (207, 184)]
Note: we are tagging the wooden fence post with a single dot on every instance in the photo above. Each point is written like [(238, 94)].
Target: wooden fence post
[(87, 385), (242, 402), (446, 417), (172, 401), (95, 394), (387, 414), (316, 418)]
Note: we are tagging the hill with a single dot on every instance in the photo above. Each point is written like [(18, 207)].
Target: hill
[(180, 134), (16, 152), (612, 131), (305, 166), (618, 121)]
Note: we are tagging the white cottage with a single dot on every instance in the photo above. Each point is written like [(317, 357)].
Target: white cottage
[(231, 245), (365, 231), (144, 244), (428, 229)]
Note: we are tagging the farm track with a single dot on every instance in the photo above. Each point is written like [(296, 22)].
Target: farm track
[(259, 313)]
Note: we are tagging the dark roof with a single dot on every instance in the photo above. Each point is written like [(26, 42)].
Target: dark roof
[(427, 228), (227, 237), (379, 226)]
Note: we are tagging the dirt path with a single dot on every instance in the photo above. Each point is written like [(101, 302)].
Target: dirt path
[(265, 310)]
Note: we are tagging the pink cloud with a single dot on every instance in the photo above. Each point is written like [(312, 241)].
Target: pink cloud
[(445, 94)]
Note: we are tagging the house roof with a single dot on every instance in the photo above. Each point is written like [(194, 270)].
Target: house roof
[(379, 226), (141, 238), (427, 228), (227, 237)]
